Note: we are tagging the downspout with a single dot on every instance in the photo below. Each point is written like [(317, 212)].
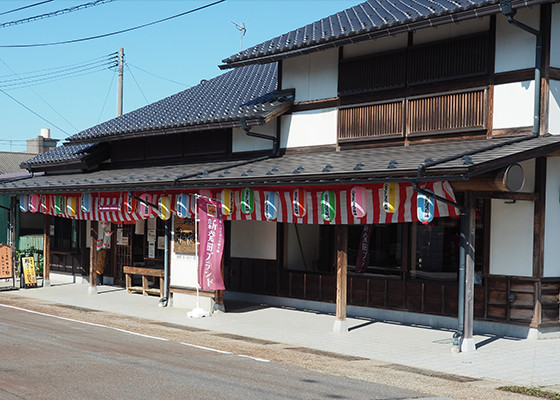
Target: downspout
[(509, 12), (165, 299), (275, 139)]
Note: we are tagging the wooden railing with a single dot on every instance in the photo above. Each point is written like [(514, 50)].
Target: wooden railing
[(434, 114)]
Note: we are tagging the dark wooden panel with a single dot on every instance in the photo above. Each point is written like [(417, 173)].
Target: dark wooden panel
[(358, 294), (497, 312), (271, 282), (313, 287), (395, 294), (521, 314), (370, 121), (328, 288), (284, 283), (297, 285), (377, 292), (259, 277)]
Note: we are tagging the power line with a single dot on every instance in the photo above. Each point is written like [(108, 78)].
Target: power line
[(55, 13), (33, 112), (157, 76), (24, 7), (135, 81), (107, 95), (112, 33)]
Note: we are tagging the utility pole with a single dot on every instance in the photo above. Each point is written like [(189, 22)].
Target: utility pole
[(120, 83)]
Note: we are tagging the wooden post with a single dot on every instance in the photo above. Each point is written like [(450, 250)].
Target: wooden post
[(468, 339), (12, 221), (92, 289), (341, 244), (46, 250)]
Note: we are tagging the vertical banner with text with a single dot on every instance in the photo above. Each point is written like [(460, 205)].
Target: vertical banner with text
[(211, 237)]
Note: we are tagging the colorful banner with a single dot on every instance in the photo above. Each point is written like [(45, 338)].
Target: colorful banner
[(211, 247), (334, 204)]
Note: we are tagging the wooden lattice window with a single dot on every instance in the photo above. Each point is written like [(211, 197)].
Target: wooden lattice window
[(375, 120), (447, 113)]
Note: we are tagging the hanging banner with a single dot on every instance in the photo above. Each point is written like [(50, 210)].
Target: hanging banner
[(227, 201), (33, 203), (182, 204), (211, 247), (298, 203), (328, 205), (362, 259), (425, 208), (390, 197), (247, 200), (23, 203), (271, 203)]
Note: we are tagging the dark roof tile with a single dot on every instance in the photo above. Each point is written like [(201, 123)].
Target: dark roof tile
[(65, 153), (249, 92), (373, 18)]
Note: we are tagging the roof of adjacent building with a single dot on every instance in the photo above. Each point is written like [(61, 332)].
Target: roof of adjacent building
[(460, 160), (10, 161), (369, 20), (248, 93)]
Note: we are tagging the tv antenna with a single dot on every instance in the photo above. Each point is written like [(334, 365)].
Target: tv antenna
[(242, 31)]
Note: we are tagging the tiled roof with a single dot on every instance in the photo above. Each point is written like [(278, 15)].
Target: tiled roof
[(368, 20), (10, 162), (333, 167), (248, 92), (65, 153)]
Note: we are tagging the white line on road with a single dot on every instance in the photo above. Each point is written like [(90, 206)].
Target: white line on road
[(130, 332)]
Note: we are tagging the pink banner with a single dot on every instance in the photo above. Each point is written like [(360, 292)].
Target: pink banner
[(211, 236)]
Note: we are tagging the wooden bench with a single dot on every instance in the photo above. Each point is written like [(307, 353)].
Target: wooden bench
[(145, 273)]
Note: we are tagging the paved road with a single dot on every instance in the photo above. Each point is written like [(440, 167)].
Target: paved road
[(45, 357)]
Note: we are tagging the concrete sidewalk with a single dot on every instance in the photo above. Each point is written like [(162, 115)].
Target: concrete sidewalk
[(514, 361)]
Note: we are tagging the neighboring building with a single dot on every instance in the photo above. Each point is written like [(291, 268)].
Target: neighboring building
[(10, 169), (329, 138)]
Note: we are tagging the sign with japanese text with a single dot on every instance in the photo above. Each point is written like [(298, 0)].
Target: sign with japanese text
[(211, 235), (28, 267), (6, 270)]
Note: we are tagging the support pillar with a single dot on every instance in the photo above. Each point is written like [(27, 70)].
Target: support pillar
[(92, 288), (340, 324), (12, 216), (46, 251), (470, 211)]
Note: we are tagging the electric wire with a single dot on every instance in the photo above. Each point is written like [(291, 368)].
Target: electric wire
[(107, 95), (56, 77), (33, 112), (41, 98), (157, 76), (135, 81), (24, 7), (55, 13), (111, 33)]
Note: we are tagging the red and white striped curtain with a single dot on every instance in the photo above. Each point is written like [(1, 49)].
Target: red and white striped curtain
[(362, 204)]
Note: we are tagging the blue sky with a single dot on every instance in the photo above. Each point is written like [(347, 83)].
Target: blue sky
[(162, 59)]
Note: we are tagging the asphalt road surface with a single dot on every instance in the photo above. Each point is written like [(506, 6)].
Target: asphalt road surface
[(47, 357)]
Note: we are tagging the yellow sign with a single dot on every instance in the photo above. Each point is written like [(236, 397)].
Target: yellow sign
[(28, 266)]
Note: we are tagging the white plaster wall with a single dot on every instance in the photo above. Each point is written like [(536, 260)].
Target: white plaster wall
[(309, 128), (314, 76), (555, 37), (242, 142), (515, 48), (253, 239), (554, 107), (511, 238), (376, 46), (513, 105), (552, 220), (182, 267), (446, 31)]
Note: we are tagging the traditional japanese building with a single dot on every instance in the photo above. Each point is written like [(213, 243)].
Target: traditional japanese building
[(396, 160)]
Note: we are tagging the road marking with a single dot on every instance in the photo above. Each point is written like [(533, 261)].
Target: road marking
[(130, 332)]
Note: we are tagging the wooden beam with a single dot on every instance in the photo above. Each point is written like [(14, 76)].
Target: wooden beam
[(341, 233), (538, 237)]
